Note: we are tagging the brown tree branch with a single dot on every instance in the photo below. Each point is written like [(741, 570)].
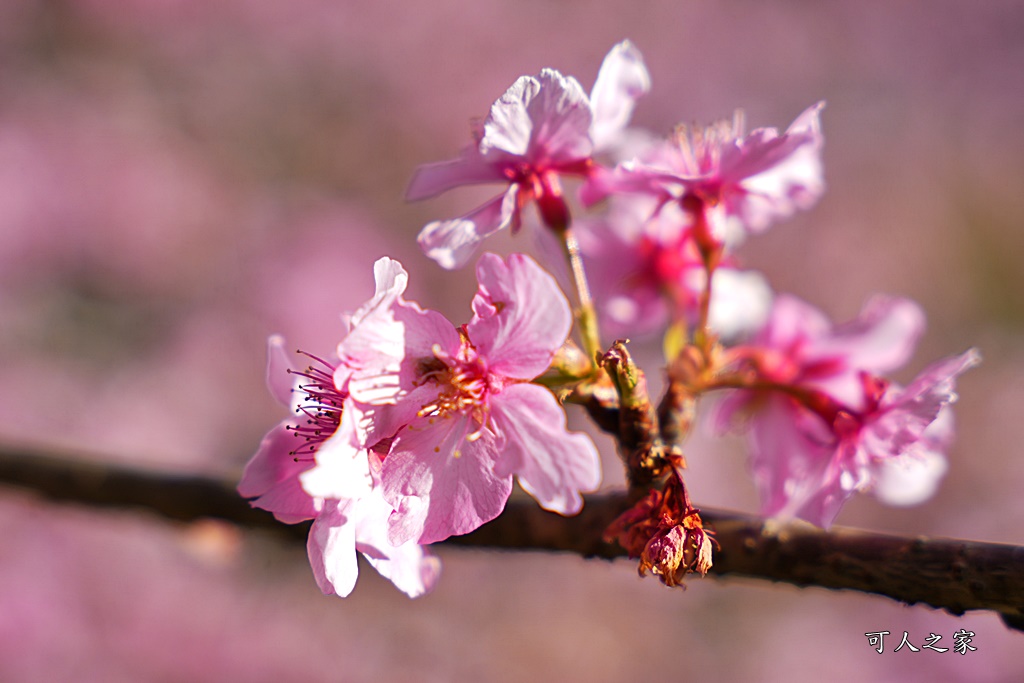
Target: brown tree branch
[(948, 574)]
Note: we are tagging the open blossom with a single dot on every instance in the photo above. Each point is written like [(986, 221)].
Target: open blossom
[(349, 513), (739, 184), (452, 410), (799, 346), (823, 425), (646, 272), (543, 127)]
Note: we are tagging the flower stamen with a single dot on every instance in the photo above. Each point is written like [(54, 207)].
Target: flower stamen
[(321, 406)]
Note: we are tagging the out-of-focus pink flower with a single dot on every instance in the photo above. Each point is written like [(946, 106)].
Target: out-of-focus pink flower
[(823, 425), (543, 127), (807, 468), (646, 271), (740, 184), (312, 468), (800, 346), (452, 409)]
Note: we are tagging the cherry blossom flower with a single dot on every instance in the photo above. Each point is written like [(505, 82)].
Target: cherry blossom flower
[(542, 128), (823, 425), (317, 453), (807, 468), (452, 408), (646, 271), (739, 184), (799, 346)]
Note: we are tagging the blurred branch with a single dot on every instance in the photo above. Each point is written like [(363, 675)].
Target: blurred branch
[(948, 574)]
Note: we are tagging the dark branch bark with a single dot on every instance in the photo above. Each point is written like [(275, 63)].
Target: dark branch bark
[(948, 574)]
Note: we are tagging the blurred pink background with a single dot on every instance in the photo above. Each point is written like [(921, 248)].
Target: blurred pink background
[(181, 178)]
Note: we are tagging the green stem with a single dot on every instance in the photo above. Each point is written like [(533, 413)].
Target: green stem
[(586, 316)]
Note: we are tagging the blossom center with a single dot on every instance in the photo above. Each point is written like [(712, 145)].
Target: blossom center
[(701, 147), (464, 385)]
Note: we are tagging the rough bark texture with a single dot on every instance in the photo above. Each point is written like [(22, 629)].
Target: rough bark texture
[(949, 574)]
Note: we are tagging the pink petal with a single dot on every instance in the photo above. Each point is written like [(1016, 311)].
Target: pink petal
[(793, 321), (271, 478), (561, 118), (382, 359), (382, 356), (622, 80), (279, 380), (430, 180), (375, 342), (910, 478), (344, 527), (451, 243), (544, 119), (387, 392), (881, 339), (792, 452), (764, 150), (377, 422), (844, 475), (409, 567), (905, 414), (781, 174), (390, 280), (341, 469), (441, 484), (387, 339), (520, 316), (935, 385), (808, 121), (332, 550), (508, 126), (552, 464)]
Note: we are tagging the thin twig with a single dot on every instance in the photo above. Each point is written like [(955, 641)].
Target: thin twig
[(948, 574)]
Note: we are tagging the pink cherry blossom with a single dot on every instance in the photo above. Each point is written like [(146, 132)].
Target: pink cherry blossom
[(453, 408), (646, 271), (740, 184), (312, 468), (799, 345), (807, 468), (822, 423), (543, 127)]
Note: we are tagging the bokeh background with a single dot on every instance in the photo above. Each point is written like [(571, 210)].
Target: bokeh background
[(181, 178)]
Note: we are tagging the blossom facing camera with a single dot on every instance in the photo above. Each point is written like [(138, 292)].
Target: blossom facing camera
[(452, 411), (349, 513), (542, 128)]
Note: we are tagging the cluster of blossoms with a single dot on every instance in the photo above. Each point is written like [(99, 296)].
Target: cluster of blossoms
[(414, 432), (414, 429)]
